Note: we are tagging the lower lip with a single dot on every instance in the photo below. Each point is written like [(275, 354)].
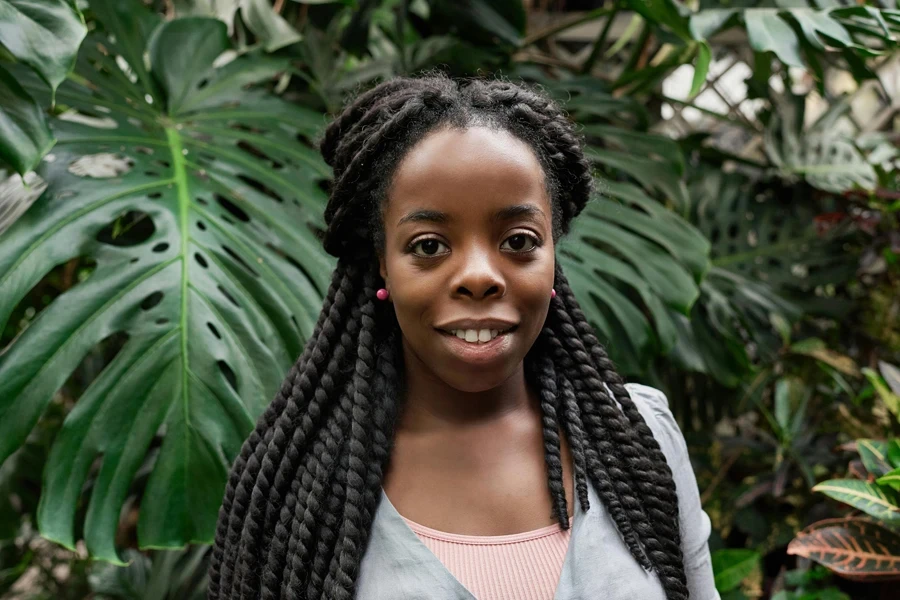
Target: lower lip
[(478, 352)]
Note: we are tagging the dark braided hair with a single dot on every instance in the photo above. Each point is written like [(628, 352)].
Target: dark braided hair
[(302, 494)]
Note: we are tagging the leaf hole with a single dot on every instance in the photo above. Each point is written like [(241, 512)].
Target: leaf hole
[(233, 208), (228, 296), (151, 300), (202, 201), (130, 229), (199, 258), (260, 187), (201, 225), (235, 257), (161, 247), (154, 195), (291, 261), (215, 331), (162, 321), (151, 173), (228, 373)]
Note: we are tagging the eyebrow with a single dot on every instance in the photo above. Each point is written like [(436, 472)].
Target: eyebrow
[(506, 214)]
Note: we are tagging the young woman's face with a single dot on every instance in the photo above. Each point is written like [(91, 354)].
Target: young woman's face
[(468, 256)]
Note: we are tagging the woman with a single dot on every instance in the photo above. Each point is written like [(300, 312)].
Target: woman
[(453, 399)]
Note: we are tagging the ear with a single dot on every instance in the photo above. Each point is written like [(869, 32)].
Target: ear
[(382, 267)]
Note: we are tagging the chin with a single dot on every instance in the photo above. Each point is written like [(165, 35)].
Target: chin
[(476, 380)]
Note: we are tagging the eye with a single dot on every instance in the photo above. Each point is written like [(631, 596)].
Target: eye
[(520, 242), (430, 247)]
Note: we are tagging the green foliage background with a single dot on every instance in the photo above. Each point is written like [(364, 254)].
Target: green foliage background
[(160, 271)]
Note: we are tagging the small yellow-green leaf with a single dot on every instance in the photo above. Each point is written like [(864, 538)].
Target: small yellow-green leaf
[(704, 55), (891, 479)]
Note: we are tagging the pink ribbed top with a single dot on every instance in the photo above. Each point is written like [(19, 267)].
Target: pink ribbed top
[(519, 566)]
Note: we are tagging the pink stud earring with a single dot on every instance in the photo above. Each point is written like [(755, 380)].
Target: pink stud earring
[(382, 294), (553, 293)]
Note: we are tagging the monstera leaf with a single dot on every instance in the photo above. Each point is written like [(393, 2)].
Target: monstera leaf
[(821, 154), (633, 263), (195, 197), (753, 289), (44, 36)]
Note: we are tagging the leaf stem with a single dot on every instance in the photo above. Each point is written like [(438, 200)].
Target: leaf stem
[(599, 42), (540, 36)]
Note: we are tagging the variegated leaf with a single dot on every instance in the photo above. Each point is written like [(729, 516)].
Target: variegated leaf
[(856, 549)]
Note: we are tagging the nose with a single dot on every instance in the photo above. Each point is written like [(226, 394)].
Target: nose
[(479, 277)]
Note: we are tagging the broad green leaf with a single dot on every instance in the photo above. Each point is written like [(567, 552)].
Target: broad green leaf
[(210, 296), (268, 26), (819, 28), (707, 22), (856, 549), (870, 498), (874, 454), (25, 136), (645, 171), (791, 396), (44, 35), (891, 479), (767, 31), (732, 566)]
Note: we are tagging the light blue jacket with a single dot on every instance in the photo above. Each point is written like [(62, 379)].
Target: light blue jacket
[(597, 565)]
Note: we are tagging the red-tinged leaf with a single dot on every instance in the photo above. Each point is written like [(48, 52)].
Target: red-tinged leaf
[(857, 549)]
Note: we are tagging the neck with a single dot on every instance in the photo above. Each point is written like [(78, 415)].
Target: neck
[(432, 406)]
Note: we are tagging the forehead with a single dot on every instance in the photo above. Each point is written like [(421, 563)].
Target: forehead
[(467, 170)]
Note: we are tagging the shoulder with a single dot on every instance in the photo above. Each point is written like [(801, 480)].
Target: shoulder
[(654, 407)]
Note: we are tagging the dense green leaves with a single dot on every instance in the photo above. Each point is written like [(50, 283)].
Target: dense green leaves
[(45, 36), (197, 200), (630, 246)]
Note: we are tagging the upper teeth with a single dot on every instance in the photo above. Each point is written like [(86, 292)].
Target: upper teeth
[(476, 335)]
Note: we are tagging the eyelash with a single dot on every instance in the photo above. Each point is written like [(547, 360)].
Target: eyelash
[(534, 239)]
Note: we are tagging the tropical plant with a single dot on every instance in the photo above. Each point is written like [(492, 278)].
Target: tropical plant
[(44, 36), (184, 197), (213, 276), (860, 548)]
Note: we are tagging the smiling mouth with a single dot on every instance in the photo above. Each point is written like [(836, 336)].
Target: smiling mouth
[(478, 336)]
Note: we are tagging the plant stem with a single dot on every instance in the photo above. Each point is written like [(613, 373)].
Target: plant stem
[(599, 42), (563, 25)]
